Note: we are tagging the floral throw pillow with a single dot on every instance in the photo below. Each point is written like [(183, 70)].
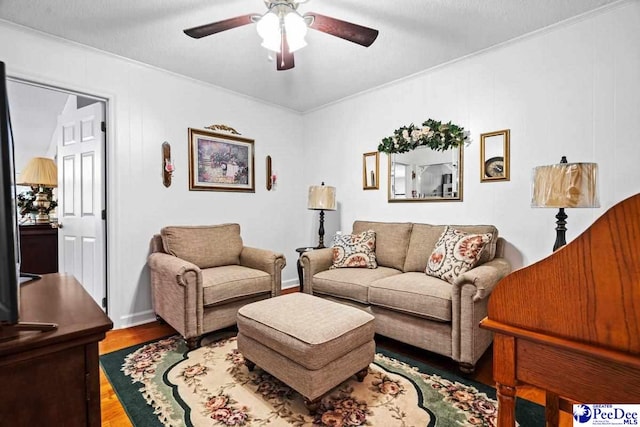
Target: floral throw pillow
[(355, 250), (455, 253)]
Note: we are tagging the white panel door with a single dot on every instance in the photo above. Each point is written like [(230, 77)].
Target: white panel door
[(81, 195)]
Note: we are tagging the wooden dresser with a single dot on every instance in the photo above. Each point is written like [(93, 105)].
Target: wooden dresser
[(570, 324), (38, 249), (52, 378)]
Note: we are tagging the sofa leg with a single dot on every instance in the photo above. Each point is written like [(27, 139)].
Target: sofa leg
[(360, 375), (467, 368), (312, 405), (249, 364), (192, 343), (160, 320)]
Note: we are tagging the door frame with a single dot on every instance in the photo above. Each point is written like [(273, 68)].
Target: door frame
[(107, 161)]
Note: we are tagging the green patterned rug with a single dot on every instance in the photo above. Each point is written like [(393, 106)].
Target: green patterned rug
[(162, 384)]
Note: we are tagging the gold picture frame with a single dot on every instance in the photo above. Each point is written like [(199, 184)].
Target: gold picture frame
[(220, 162), (495, 156), (371, 171)]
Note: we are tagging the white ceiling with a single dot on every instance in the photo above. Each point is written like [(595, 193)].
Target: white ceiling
[(414, 35)]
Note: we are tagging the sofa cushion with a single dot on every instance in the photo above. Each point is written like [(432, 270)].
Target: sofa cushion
[(349, 283), (205, 246), (231, 282), (413, 293), (392, 241), (455, 253), (424, 238), (355, 250)]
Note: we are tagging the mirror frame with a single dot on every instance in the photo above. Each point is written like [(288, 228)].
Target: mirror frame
[(365, 173), (485, 160), (457, 198)]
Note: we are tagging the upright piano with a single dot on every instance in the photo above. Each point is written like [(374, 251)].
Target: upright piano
[(570, 323)]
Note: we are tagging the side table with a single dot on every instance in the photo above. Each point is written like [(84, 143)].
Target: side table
[(300, 252)]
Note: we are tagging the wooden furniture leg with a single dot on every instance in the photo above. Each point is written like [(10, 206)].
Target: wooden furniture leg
[(507, 405), (552, 410), (360, 375), (249, 364)]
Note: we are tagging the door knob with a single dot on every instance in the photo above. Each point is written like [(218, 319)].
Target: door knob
[(58, 225)]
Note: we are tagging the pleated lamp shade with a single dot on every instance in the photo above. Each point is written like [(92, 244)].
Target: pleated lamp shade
[(40, 172)]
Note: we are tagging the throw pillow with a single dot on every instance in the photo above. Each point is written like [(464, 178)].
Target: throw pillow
[(455, 253), (355, 250)]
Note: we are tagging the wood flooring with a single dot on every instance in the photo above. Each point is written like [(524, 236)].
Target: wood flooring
[(113, 414)]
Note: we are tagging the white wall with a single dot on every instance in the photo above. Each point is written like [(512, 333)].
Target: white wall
[(148, 106), (572, 90)]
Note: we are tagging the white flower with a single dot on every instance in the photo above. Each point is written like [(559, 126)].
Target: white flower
[(405, 134)]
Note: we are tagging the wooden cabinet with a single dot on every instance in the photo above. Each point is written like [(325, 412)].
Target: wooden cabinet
[(52, 378), (38, 249)]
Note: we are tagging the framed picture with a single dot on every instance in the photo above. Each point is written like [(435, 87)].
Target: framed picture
[(220, 162), (370, 171), (494, 156)]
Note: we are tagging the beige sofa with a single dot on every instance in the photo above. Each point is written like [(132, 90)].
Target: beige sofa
[(410, 306), (202, 275)]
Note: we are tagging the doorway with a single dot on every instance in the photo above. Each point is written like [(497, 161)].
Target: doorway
[(68, 127)]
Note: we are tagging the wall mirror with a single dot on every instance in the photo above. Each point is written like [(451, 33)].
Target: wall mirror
[(426, 175), (494, 156), (370, 171)]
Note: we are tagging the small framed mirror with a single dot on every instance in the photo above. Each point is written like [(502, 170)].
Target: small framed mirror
[(426, 175), (370, 171), (494, 156)]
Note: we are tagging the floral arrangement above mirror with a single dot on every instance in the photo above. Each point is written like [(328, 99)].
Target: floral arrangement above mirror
[(433, 134)]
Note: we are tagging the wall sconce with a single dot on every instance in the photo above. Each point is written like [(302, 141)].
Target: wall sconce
[(167, 164), (564, 185), (271, 176)]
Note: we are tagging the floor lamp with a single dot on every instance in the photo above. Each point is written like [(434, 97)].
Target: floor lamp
[(564, 185), (322, 198)]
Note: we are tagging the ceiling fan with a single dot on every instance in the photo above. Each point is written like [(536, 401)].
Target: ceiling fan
[(283, 29)]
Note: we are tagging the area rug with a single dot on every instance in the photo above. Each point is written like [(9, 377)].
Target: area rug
[(162, 384)]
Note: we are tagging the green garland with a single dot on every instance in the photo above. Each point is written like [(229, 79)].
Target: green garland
[(432, 133)]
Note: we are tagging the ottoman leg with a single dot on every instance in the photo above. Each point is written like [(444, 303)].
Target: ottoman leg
[(249, 364), (360, 375), (312, 405)]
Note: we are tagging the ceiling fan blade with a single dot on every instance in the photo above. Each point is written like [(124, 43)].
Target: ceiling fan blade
[(284, 58), (355, 33), (217, 27)]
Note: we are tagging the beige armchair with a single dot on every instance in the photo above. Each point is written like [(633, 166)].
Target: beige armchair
[(202, 275)]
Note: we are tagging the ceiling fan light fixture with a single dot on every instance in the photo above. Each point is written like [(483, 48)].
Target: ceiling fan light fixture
[(268, 28), (296, 29)]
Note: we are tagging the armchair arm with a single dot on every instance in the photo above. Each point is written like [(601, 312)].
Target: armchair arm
[(267, 261), (484, 277), (469, 298), (314, 262), (176, 291), (172, 267)]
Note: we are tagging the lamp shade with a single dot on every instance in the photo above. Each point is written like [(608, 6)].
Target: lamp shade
[(322, 197), (565, 185), (40, 171)]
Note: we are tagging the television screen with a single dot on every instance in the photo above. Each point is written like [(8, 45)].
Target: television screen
[(9, 249)]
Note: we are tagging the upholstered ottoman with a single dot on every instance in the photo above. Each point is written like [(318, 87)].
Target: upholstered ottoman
[(309, 343)]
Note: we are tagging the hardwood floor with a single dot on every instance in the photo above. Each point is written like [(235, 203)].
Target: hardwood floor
[(113, 414)]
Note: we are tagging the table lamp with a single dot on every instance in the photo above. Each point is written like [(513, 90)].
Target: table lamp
[(322, 198), (40, 172), (564, 185)]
